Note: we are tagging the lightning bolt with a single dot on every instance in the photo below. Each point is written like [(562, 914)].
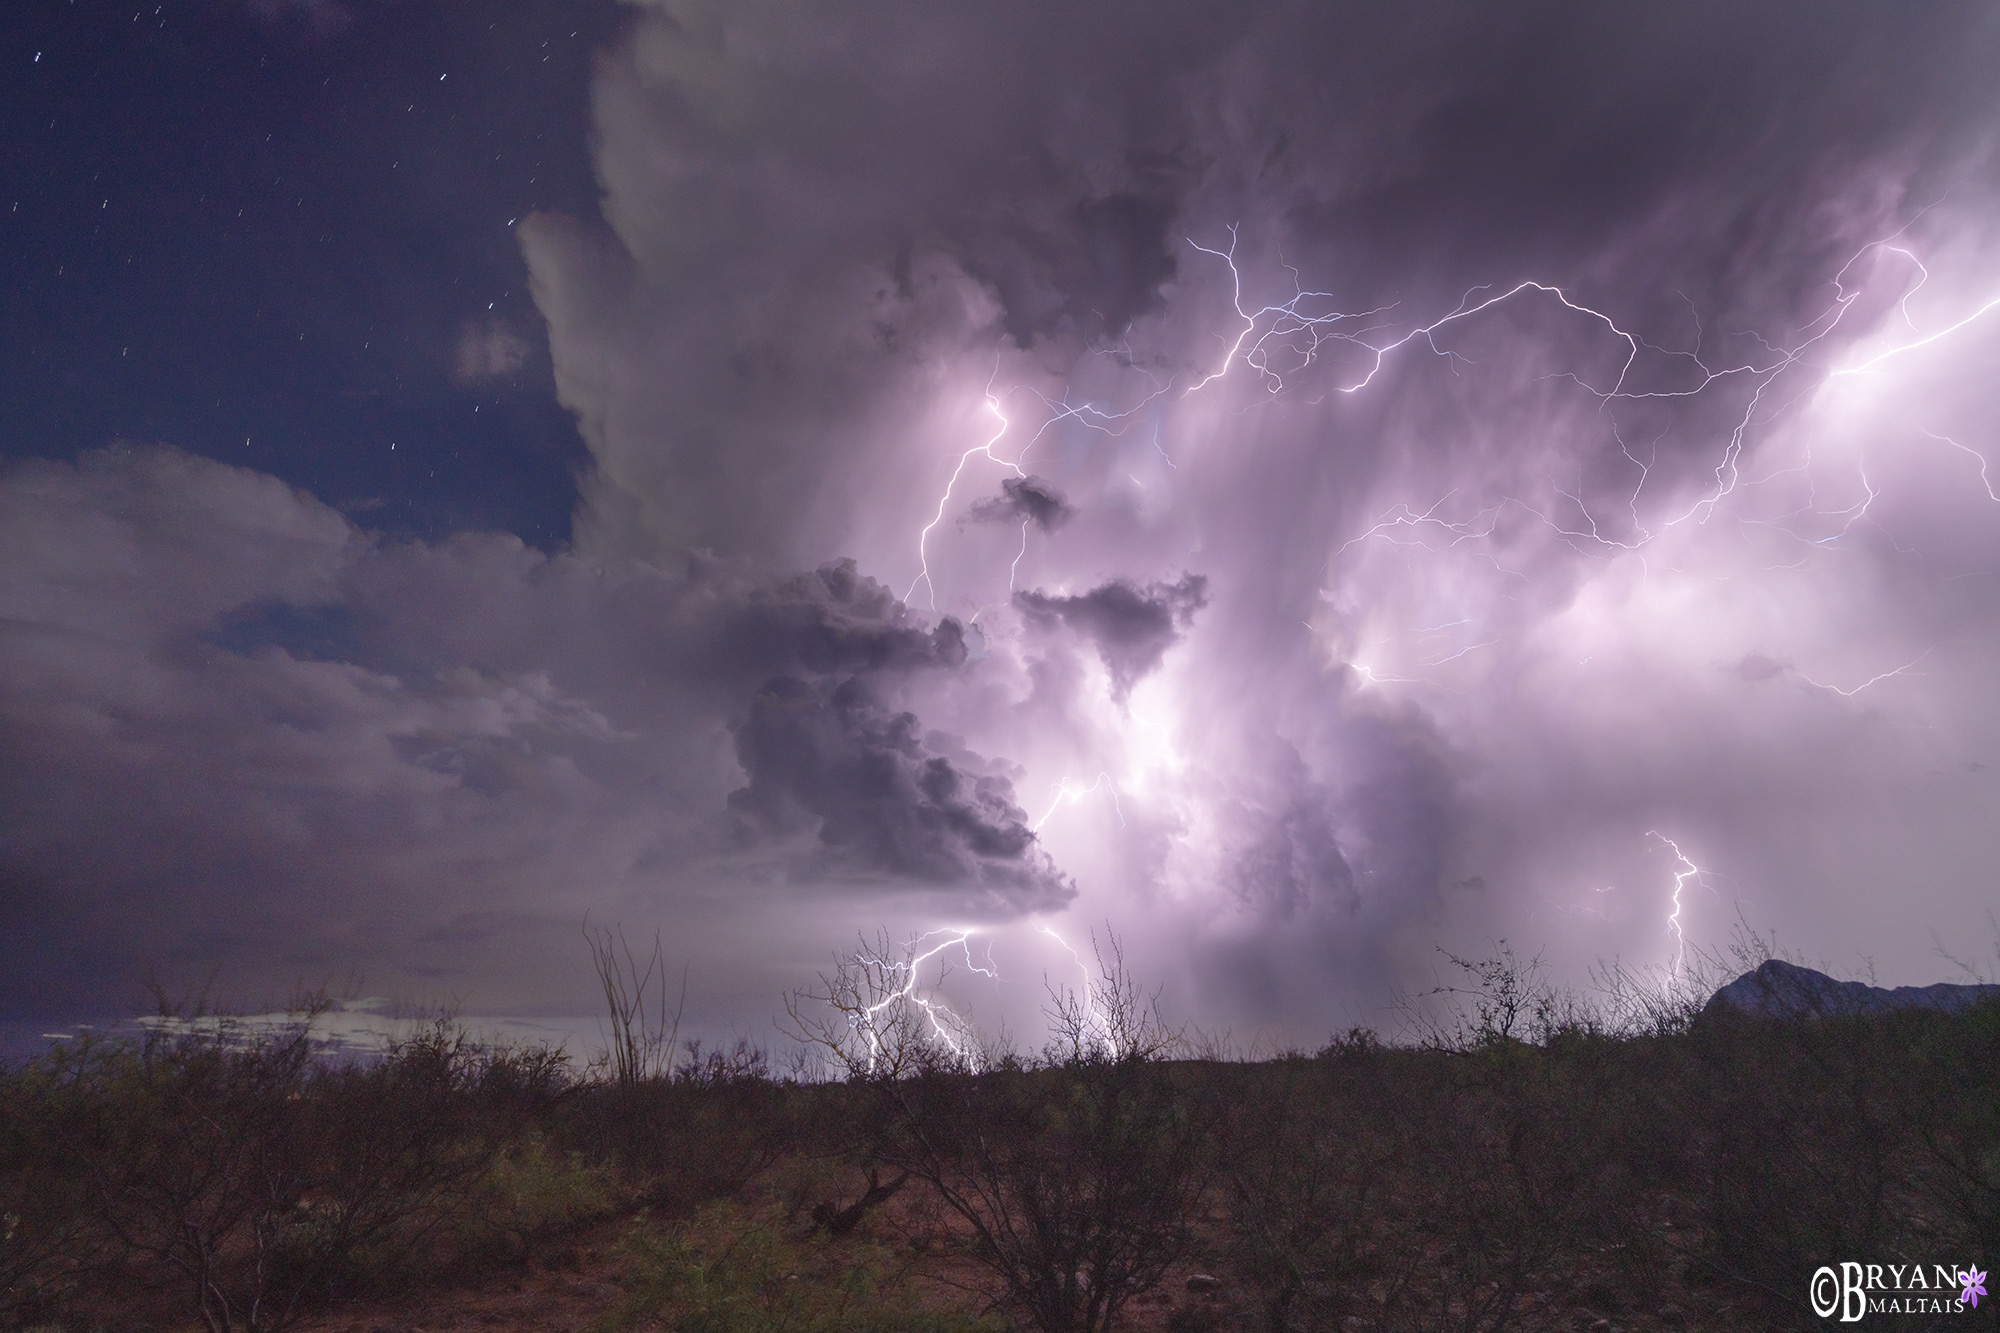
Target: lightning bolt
[(924, 537), (1688, 870), (948, 1028), (1863, 367), (1065, 793), (1984, 480), (1097, 1028), (1872, 680), (1281, 339)]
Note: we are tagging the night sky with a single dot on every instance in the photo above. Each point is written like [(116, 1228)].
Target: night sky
[(288, 224), (1294, 486)]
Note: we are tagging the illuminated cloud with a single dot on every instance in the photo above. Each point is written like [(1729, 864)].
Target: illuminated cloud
[(1690, 540)]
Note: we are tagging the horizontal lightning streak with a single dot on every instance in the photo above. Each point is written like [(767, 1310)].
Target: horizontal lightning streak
[(1872, 680), (1064, 792)]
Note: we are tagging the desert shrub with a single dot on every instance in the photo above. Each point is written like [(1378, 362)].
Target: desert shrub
[(1081, 1183), (243, 1169), (1304, 1159), (400, 1147), (533, 1193), (722, 1273), (1076, 1178), (1800, 1148), (1842, 1136), (1950, 1097), (699, 1133), (45, 1238), (518, 1088), (190, 1146)]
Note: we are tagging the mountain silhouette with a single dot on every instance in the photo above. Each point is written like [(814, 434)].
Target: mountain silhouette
[(1777, 989)]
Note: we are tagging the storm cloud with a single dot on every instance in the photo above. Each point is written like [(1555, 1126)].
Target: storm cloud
[(1028, 498), (330, 752), (883, 805), (1132, 627), (1448, 457)]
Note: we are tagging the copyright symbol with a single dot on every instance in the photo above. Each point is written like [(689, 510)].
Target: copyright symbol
[(1825, 1292)]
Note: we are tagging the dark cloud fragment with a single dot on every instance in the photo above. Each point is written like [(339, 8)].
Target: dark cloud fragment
[(1027, 497), (1093, 268), (835, 619), (819, 743), (1132, 626), (885, 805), (1757, 667)]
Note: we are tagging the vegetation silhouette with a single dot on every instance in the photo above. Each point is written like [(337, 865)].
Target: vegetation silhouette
[(1521, 1156)]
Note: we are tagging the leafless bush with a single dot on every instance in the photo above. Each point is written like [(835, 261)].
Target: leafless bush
[(192, 1147), (1111, 1018), (1077, 1177), (1503, 1000), (238, 1165), (641, 1041), (866, 1020)]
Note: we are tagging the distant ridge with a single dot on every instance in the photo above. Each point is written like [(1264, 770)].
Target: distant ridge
[(1777, 989)]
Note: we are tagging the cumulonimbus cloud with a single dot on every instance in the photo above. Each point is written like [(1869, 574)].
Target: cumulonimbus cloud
[(1496, 587)]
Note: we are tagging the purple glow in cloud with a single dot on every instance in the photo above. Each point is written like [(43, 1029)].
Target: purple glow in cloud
[(1562, 437)]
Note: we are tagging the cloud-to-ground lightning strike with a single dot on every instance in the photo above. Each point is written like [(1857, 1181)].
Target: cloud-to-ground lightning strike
[(1687, 871), (1097, 1028), (948, 1026)]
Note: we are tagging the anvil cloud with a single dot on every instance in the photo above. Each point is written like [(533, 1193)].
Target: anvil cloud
[(969, 430)]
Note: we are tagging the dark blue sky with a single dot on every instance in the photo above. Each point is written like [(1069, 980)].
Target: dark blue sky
[(276, 222)]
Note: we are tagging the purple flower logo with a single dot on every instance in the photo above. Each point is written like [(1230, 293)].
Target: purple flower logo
[(1975, 1286)]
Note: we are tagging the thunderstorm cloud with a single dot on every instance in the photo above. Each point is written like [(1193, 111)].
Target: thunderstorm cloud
[(1490, 445), (1132, 627), (1028, 498)]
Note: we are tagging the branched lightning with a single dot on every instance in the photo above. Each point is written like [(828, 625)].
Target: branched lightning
[(1872, 680), (1064, 792), (1277, 342), (902, 986), (1302, 330), (948, 1027)]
